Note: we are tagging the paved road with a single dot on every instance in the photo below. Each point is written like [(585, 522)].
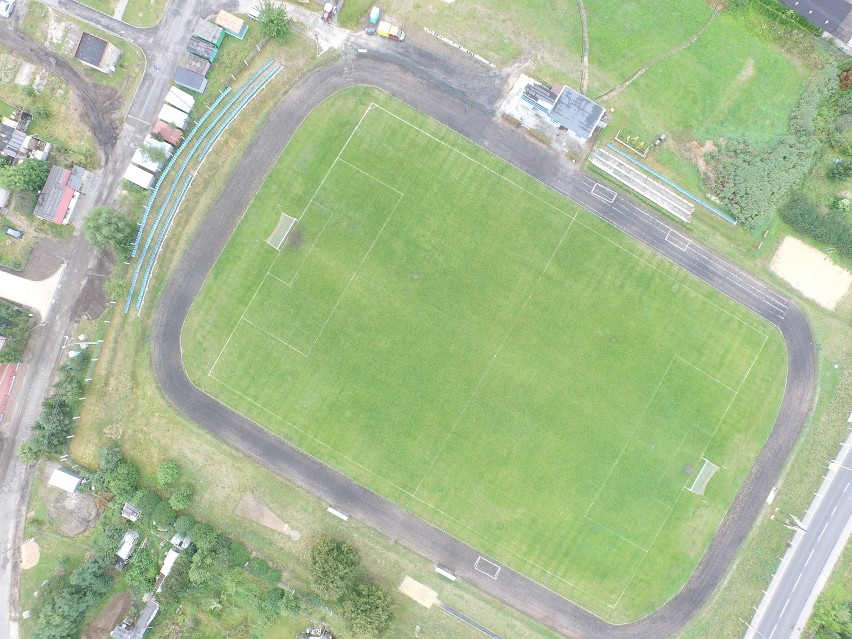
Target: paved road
[(419, 90), (806, 566), (116, 145)]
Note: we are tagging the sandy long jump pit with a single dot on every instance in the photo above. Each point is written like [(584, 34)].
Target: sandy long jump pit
[(811, 272)]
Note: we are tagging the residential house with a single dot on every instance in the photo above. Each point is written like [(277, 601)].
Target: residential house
[(60, 193), (97, 53)]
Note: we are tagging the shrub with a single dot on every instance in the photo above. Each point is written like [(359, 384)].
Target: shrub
[(804, 216), (333, 564)]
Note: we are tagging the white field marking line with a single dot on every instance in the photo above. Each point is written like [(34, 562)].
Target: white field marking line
[(493, 359), (373, 177), (608, 196), (364, 115), (486, 570), (681, 238), (355, 274), (496, 543), (277, 339), (284, 235), (477, 162), (705, 373), (620, 536), (629, 437)]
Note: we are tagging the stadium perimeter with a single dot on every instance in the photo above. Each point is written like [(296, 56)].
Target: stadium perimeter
[(513, 588)]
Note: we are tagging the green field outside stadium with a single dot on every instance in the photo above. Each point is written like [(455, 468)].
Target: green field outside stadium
[(468, 343)]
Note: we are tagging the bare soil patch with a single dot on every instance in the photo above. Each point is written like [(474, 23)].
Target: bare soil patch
[(697, 153), (73, 514), (423, 595), (811, 272), (252, 508), (114, 611), (30, 554)]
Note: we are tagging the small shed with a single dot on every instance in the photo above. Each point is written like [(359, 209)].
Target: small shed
[(65, 480), (209, 32), (181, 541), (131, 512), (232, 25), (202, 48), (190, 80), (135, 628), (152, 154), (97, 53), (169, 133), (125, 548), (173, 116), (169, 562), (180, 99), (194, 63), (139, 177)]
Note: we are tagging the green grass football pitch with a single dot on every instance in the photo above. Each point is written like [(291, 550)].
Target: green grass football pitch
[(465, 341)]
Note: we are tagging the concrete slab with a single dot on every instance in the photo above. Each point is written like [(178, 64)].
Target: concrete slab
[(36, 296)]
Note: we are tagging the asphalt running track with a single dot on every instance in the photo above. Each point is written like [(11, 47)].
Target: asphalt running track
[(412, 532)]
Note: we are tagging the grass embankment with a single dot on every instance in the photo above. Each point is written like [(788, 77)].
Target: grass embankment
[(139, 13)]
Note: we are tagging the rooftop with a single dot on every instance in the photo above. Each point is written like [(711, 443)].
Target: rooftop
[(170, 134), (64, 479), (208, 31), (231, 23), (577, 113), (194, 63), (91, 49), (190, 79), (201, 48), (136, 628), (59, 192)]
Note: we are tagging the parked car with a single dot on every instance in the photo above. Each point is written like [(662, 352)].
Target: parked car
[(8, 230), (6, 8)]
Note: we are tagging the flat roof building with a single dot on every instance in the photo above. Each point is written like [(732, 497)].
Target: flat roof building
[(210, 32), (65, 480), (139, 177), (170, 134), (232, 25), (571, 110), (190, 80), (202, 48)]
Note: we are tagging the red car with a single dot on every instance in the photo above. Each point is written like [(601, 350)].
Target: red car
[(328, 10)]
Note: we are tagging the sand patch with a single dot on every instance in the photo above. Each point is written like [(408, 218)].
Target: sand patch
[(747, 71), (73, 514), (811, 272), (698, 151), (30, 554), (252, 508), (423, 595)]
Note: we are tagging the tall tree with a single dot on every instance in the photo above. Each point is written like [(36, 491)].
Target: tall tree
[(333, 564), (367, 610), (29, 175), (106, 227), (273, 20)]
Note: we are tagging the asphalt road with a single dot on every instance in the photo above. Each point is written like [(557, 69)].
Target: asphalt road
[(116, 145), (808, 562), (419, 90)]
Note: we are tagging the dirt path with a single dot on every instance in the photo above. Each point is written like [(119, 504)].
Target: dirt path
[(584, 60), (623, 85)]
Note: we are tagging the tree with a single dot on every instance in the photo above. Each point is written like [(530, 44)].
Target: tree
[(142, 570), (90, 576), (840, 170), (181, 497), (333, 564), (15, 327), (833, 615), (29, 175), (164, 514), (272, 20), (106, 227), (168, 473), (367, 610), (184, 523)]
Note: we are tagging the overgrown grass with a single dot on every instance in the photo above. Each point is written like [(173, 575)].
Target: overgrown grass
[(14, 252), (422, 378)]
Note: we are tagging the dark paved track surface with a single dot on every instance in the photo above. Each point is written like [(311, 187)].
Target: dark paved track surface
[(334, 488)]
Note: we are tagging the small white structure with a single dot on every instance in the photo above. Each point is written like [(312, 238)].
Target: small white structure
[(131, 512), (180, 100), (125, 549), (169, 562), (173, 116), (139, 177), (143, 158), (65, 480)]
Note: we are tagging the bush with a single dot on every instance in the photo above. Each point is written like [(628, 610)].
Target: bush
[(263, 570), (15, 325), (164, 514), (804, 216), (367, 610), (239, 554), (841, 170), (333, 566), (105, 227), (29, 175), (182, 496), (272, 20), (168, 473)]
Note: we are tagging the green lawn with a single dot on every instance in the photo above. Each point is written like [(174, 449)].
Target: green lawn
[(139, 13), (436, 327)]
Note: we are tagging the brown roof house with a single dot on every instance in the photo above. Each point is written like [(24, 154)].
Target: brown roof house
[(97, 53)]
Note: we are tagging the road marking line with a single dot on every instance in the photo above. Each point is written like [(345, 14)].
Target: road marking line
[(823, 531), (785, 607), (797, 582), (832, 511), (846, 486), (607, 195), (773, 631), (808, 560)]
